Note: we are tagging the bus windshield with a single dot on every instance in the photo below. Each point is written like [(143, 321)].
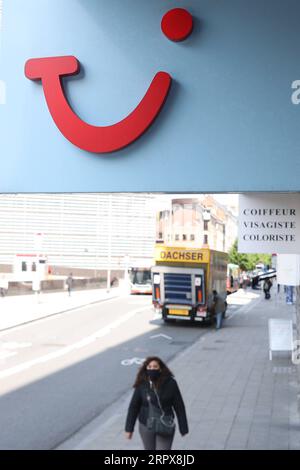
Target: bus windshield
[(140, 276)]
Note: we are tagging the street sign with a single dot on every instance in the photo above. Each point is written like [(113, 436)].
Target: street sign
[(269, 223), (288, 270), (280, 335)]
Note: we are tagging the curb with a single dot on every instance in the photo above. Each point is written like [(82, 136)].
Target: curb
[(56, 313)]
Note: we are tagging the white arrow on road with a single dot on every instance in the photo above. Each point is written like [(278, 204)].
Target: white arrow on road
[(163, 336)]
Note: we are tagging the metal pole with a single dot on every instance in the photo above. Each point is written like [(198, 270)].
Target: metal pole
[(297, 303), (109, 243)]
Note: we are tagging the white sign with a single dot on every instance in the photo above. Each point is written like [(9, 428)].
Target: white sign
[(36, 285), (288, 270), (269, 223), (280, 335)]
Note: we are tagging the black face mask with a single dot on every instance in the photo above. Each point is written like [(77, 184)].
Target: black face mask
[(153, 374)]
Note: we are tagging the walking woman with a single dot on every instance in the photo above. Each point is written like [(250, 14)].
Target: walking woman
[(155, 398)]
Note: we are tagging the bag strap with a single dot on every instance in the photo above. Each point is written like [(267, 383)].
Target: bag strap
[(169, 425), (152, 386)]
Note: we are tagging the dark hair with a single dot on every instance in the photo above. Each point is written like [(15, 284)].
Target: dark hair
[(142, 374)]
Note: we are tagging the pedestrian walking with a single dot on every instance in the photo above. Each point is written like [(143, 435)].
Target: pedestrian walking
[(289, 291), (217, 307), (266, 288), (69, 283), (155, 399), (255, 282)]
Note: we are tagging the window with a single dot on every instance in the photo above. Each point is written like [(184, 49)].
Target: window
[(184, 237), (140, 276), (33, 268), (192, 237), (24, 266), (205, 239), (205, 225), (177, 237)]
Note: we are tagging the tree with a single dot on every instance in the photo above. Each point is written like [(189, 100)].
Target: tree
[(238, 258), (247, 261)]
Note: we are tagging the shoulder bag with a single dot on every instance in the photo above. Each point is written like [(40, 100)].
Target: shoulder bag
[(158, 422)]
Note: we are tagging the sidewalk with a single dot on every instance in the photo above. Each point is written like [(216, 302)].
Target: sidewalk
[(236, 398), (21, 309)]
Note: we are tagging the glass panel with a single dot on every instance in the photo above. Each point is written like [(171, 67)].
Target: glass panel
[(140, 276)]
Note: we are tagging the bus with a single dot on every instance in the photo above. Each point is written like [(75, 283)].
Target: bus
[(140, 279)]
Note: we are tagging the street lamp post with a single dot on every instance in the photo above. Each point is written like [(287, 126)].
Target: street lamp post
[(126, 275), (109, 243), (37, 279)]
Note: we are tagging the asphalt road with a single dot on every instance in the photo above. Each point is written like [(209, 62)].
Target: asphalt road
[(58, 374)]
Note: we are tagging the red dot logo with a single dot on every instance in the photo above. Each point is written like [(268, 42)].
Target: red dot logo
[(177, 24)]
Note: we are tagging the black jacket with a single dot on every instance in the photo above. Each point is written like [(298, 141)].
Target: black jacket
[(170, 398)]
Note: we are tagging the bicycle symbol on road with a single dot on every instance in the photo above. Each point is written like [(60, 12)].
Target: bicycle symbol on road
[(130, 362)]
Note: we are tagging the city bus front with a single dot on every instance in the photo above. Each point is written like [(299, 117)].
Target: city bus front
[(140, 281)]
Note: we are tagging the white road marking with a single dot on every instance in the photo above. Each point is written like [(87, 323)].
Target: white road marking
[(66, 350), (134, 360), (160, 335)]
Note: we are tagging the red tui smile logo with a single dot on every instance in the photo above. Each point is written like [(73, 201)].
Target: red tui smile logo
[(177, 25)]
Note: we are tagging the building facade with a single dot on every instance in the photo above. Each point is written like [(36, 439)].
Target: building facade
[(87, 233), (197, 221)]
